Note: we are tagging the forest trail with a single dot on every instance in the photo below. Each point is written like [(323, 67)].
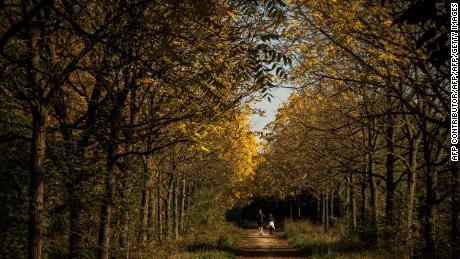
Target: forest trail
[(254, 246)]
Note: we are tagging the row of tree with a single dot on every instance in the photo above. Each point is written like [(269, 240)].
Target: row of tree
[(116, 116), (370, 125)]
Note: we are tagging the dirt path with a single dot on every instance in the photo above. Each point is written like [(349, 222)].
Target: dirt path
[(254, 246)]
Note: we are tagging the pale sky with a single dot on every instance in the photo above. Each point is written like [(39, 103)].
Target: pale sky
[(280, 95)]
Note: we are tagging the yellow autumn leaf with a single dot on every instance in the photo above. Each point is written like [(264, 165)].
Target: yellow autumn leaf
[(232, 15), (204, 148)]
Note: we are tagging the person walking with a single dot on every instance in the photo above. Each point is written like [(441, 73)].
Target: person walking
[(271, 223), (260, 222)]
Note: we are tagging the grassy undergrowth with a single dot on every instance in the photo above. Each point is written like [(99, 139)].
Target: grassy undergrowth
[(217, 243), (334, 243)]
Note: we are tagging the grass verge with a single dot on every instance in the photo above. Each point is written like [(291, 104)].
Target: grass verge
[(218, 243), (334, 243)]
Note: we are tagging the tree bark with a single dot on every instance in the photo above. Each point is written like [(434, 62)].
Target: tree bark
[(123, 238), (144, 217), (159, 210), (363, 202), (75, 215), (323, 209), (40, 115), (182, 205), (175, 211), (74, 228), (124, 225), (145, 206), (299, 209), (429, 210), (326, 206), (390, 160), (151, 217), (106, 212), (363, 193), (352, 201), (36, 188), (112, 149), (169, 209), (318, 209), (411, 186), (332, 203), (347, 199), (73, 186), (371, 181)]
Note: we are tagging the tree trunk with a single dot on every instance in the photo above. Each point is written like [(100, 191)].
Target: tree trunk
[(144, 216), (371, 140), (169, 209), (332, 203), (363, 193), (124, 225), (429, 232), (151, 217), (413, 140), (106, 209), (371, 178), (36, 188), (40, 114), (429, 210), (106, 212), (352, 201), (112, 149), (74, 229), (72, 186), (411, 195), (363, 203), (390, 160), (75, 216), (182, 205), (299, 209), (318, 209), (145, 207), (326, 205), (323, 209), (347, 199), (175, 211), (124, 220), (159, 210)]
